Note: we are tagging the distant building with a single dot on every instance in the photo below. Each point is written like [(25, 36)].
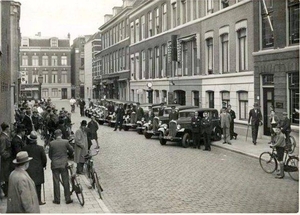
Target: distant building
[(77, 66), (91, 47), (47, 57), (9, 58)]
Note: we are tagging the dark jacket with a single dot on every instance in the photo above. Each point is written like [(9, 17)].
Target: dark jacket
[(93, 126), (58, 153), (232, 114), (81, 104), (17, 144), (27, 122), (120, 112), (206, 125), (255, 118), (173, 115), (38, 163), (161, 111), (6, 157), (149, 116), (139, 114), (196, 123), (285, 125), (65, 133)]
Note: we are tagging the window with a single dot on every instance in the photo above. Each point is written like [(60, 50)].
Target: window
[(137, 66), (25, 41), (196, 98), (243, 105), (242, 48), (209, 6), (211, 99), (225, 96), (143, 64), (224, 53), (267, 34), (54, 78), (54, 60), (132, 32), (24, 60), (157, 30), (132, 66), (164, 17), (137, 30), (45, 60), (35, 76), (54, 42), (64, 61), (268, 79), (174, 14), (54, 92), (64, 78), (45, 78), (157, 96), (150, 55), (157, 75), (164, 60), (35, 60), (293, 11), (185, 58), (143, 27), (150, 26), (209, 55), (164, 96), (183, 11), (194, 57), (294, 97)]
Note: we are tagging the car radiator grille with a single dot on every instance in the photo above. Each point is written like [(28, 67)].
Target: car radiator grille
[(155, 124), (172, 128)]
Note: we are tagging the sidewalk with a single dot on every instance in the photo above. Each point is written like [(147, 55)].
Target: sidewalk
[(93, 204)]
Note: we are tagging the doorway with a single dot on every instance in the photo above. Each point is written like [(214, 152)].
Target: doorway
[(64, 93), (268, 101)]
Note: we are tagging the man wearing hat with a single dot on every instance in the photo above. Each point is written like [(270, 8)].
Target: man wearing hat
[(255, 116), (173, 115), (28, 122), (139, 112), (285, 125), (6, 156), (22, 196), (161, 109), (18, 142), (81, 146)]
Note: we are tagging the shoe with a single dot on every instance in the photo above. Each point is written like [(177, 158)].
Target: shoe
[(115, 129), (69, 201), (224, 142), (279, 177), (42, 203), (231, 138), (205, 149), (254, 143), (235, 136), (229, 143), (209, 149), (55, 202), (97, 147)]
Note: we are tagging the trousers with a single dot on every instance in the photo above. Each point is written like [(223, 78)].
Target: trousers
[(56, 173)]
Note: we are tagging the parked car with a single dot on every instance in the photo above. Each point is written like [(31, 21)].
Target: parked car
[(151, 128), (101, 113), (181, 130), (141, 123)]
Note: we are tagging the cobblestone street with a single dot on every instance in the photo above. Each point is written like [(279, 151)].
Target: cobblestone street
[(141, 176)]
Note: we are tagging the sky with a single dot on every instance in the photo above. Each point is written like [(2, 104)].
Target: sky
[(60, 17)]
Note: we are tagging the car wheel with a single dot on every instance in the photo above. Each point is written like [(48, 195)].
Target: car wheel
[(100, 122), (186, 140), (217, 134), (161, 139), (139, 131), (147, 135), (126, 128)]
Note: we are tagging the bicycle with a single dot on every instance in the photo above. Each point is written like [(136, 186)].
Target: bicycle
[(75, 185), (91, 174), (292, 144), (269, 163)]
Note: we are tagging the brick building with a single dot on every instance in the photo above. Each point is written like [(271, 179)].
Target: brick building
[(47, 57), (10, 12)]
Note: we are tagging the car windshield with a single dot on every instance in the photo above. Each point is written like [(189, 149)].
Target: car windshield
[(167, 111), (186, 114)]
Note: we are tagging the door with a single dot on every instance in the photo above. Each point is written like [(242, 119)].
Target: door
[(268, 101), (180, 97), (64, 93)]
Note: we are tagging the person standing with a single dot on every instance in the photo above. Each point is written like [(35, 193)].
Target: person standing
[(22, 196), (38, 163), (120, 112), (81, 107), (139, 112), (255, 117), (225, 125), (196, 123), (18, 142), (72, 104), (274, 120), (58, 153), (232, 115), (173, 115), (150, 115), (161, 110), (28, 122), (206, 129), (285, 125), (6, 156), (81, 146), (93, 126)]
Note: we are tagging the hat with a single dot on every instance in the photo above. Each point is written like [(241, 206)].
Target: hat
[(4, 126), (22, 157), (20, 128), (57, 132), (32, 136), (255, 104), (83, 123), (284, 113)]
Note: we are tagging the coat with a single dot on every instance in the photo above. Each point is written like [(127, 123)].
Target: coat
[(225, 120), (17, 144), (38, 162), (232, 114), (149, 116), (27, 122), (206, 125), (139, 114), (196, 123), (59, 150), (22, 196), (286, 125), (81, 146), (6, 156), (120, 112), (255, 117), (93, 126)]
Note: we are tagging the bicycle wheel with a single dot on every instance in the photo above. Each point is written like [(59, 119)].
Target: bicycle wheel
[(293, 168), (97, 185), (267, 162), (78, 191), (293, 144)]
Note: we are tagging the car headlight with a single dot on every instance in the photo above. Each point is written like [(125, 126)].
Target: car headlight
[(159, 123), (178, 126), (165, 126)]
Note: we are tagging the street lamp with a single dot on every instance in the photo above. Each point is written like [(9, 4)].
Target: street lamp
[(40, 80)]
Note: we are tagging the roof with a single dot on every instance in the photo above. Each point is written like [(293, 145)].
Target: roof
[(95, 36)]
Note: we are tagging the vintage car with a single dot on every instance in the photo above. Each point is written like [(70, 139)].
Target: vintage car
[(151, 128), (100, 114), (140, 124), (181, 130)]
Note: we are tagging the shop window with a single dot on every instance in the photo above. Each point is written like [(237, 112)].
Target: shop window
[(294, 97), (243, 105)]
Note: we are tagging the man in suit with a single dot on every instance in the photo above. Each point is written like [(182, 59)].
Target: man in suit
[(285, 126), (139, 112), (225, 125), (255, 117), (120, 112), (196, 123), (173, 115), (161, 110), (81, 107), (58, 153), (232, 114), (150, 115), (206, 129), (22, 196), (28, 122), (93, 126), (17, 142)]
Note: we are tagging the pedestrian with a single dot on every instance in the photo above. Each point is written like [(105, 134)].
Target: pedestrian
[(279, 144), (36, 120), (38, 163), (274, 120), (28, 122), (81, 107), (139, 112), (206, 129), (255, 117), (150, 115), (6, 156), (72, 104), (232, 115), (196, 123), (225, 125), (285, 125), (120, 113), (161, 109), (81, 146), (93, 126), (91, 103), (22, 196), (62, 126), (18, 142), (173, 115), (59, 151)]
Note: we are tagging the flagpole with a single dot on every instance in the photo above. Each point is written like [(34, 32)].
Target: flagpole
[(267, 12)]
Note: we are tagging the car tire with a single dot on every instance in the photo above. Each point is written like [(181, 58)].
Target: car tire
[(100, 122), (186, 140), (139, 131), (126, 128), (217, 134), (161, 139), (147, 135)]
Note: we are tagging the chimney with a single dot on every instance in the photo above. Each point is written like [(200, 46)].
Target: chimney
[(39, 34), (128, 3), (107, 17), (69, 35), (116, 10)]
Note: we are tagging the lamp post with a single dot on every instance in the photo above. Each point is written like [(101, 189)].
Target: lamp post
[(40, 80)]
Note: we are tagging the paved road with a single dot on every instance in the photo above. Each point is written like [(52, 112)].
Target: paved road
[(141, 176)]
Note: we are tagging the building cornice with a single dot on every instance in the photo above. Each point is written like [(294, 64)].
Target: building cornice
[(276, 51), (38, 49), (114, 19)]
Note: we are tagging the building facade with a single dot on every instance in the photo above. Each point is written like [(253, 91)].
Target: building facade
[(10, 12), (276, 59), (49, 58), (77, 66), (91, 67)]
